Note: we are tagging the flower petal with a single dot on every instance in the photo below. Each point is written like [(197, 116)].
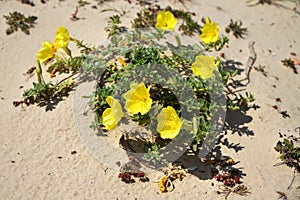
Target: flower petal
[(62, 37), (204, 66), (112, 116), (108, 119), (138, 99), (169, 123)]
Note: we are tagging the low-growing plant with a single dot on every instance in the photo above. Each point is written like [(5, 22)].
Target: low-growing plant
[(239, 100), (17, 20), (289, 153), (151, 77), (56, 58), (113, 25), (236, 28), (125, 53), (290, 64)]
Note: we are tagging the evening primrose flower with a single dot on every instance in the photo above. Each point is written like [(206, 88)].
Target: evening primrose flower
[(204, 66), (138, 99), (169, 123), (46, 52), (165, 21), (62, 37), (210, 32), (111, 116)]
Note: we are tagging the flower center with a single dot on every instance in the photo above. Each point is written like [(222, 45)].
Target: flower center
[(54, 47)]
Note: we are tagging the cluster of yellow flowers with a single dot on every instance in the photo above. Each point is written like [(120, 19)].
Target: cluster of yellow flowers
[(61, 41), (138, 97), (138, 101), (203, 65)]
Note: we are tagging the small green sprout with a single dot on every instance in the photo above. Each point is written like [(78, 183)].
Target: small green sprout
[(239, 100), (290, 64), (113, 26), (236, 28)]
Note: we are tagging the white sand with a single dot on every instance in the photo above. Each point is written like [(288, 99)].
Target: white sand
[(34, 139)]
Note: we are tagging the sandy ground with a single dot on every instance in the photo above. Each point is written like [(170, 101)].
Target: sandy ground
[(35, 152)]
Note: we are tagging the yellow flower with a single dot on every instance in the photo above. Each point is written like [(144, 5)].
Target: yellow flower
[(169, 123), (111, 116), (138, 99), (204, 66), (46, 52), (62, 37), (210, 32), (165, 21)]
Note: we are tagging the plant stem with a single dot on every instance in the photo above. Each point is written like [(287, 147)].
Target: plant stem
[(39, 73), (178, 42)]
